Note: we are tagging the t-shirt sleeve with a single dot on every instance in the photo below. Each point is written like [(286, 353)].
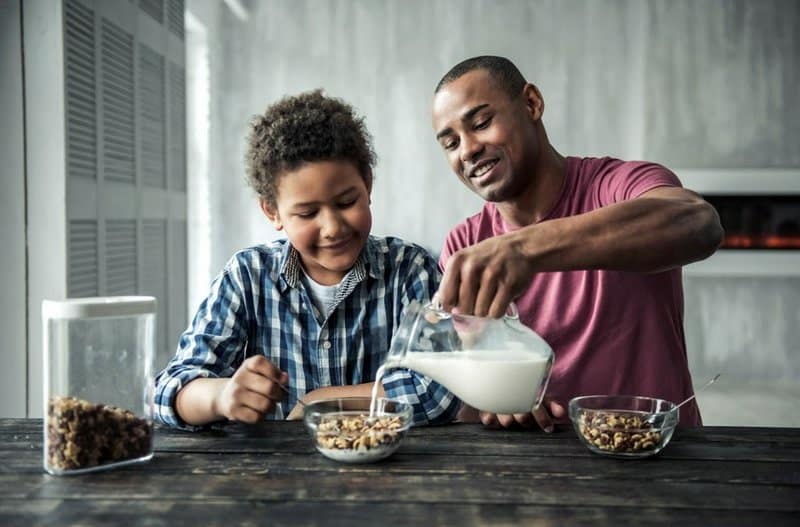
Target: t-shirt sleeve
[(457, 239), (631, 179)]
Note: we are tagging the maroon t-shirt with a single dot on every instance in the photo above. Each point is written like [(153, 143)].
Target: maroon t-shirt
[(612, 332)]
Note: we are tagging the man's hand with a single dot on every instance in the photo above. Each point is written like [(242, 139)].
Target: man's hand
[(252, 391), (541, 416), (484, 278)]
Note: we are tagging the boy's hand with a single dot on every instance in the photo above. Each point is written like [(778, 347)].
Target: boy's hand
[(252, 391), (542, 416)]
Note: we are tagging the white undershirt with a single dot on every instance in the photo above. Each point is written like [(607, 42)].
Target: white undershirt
[(323, 296)]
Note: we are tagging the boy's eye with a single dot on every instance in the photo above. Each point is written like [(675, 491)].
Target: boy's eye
[(306, 214), (347, 203)]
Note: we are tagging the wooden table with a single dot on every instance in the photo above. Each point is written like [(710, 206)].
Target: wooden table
[(451, 475)]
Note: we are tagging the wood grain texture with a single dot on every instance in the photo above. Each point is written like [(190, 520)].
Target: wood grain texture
[(455, 474)]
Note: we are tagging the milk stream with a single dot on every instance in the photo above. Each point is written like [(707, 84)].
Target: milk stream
[(498, 381)]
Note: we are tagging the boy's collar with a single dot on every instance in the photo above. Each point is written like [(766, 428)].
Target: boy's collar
[(291, 267)]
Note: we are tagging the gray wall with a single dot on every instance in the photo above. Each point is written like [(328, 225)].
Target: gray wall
[(12, 216), (691, 84)]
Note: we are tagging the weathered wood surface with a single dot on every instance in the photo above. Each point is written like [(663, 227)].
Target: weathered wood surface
[(457, 474)]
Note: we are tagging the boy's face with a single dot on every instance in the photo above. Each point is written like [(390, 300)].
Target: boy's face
[(324, 209)]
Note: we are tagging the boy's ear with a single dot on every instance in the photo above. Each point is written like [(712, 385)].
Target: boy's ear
[(271, 214), (368, 182)]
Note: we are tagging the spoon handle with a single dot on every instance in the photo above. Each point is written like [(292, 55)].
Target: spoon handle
[(703, 387), (285, 389)]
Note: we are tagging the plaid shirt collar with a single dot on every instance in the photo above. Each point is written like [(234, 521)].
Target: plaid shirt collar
[(367, 263)]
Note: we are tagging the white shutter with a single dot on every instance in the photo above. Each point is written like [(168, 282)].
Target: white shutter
[(152, 120), (175, 15), (121, 257), (154, 8), (154, 272), (119, 147), (80, 91), (82, 277), (177, 127), (108, 202)]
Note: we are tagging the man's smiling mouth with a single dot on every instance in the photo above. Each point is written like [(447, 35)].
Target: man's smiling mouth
[(483, 168)]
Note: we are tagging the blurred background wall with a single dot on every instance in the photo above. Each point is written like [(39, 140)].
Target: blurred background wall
[(687, 83)]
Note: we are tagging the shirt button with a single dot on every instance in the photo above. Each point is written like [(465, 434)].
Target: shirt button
[(326, 345)]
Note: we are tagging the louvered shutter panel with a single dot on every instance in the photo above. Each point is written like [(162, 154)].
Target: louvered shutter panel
[(80, 97), (82, 275), (121, 257), (119, 147), (177, 127), (152, 117), (175, 17), (114, 220), (154, 8), (154, 269)]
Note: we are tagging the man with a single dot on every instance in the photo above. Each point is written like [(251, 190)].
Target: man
[(589, 249)]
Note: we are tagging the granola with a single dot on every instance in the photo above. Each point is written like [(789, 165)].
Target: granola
[(626, 432), (81, 434)]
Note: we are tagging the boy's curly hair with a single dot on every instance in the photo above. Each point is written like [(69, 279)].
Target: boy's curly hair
[(301, 129)]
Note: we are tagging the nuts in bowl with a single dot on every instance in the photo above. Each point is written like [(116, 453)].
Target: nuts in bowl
[(623, 426), (343, 430)]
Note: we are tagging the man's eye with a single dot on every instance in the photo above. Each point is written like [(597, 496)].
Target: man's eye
[(348, 203), (449, 145), (306, 215), (480, 125)]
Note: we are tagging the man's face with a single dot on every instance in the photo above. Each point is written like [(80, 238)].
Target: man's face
[(489, 138), (324, 209)]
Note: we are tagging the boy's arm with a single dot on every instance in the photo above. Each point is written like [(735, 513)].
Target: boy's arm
[(432, 402), (246, 397), (209, 350)]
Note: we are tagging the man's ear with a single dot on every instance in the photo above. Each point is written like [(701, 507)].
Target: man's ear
[(533, 101), (271, 214)]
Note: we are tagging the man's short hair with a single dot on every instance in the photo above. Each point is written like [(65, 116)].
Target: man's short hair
[(305, 128), (503, 72)]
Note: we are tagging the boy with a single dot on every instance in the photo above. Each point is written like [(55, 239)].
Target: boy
[(312, 316)]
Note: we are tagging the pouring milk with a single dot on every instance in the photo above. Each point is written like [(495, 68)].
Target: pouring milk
[(494, 365)]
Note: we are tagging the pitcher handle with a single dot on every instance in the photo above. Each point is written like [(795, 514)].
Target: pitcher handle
[(512, 312)]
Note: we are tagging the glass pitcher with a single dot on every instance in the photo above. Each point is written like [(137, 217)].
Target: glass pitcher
[(494, 365)]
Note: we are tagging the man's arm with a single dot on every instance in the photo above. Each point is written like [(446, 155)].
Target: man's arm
[(663, 228)]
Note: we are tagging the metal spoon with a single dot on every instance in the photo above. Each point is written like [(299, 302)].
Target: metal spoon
[(652, 418), (285, 389), (703, 387)]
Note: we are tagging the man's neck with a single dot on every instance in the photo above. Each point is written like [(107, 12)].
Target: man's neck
[(539, 197)]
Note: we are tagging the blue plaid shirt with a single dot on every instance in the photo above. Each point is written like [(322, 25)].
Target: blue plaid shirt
[(258, 304)]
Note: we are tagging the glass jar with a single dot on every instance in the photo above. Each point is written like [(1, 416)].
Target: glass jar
[(98, 382)]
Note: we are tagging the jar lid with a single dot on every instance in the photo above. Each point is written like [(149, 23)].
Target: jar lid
[(99, 306)]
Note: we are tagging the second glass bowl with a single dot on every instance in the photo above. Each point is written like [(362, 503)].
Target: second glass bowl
[(623, 426)]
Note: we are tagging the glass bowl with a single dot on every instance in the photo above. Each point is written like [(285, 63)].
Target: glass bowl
[(623, 426), (343, 430)]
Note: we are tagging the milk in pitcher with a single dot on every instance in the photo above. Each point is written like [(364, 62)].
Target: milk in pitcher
[(502, 382)]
